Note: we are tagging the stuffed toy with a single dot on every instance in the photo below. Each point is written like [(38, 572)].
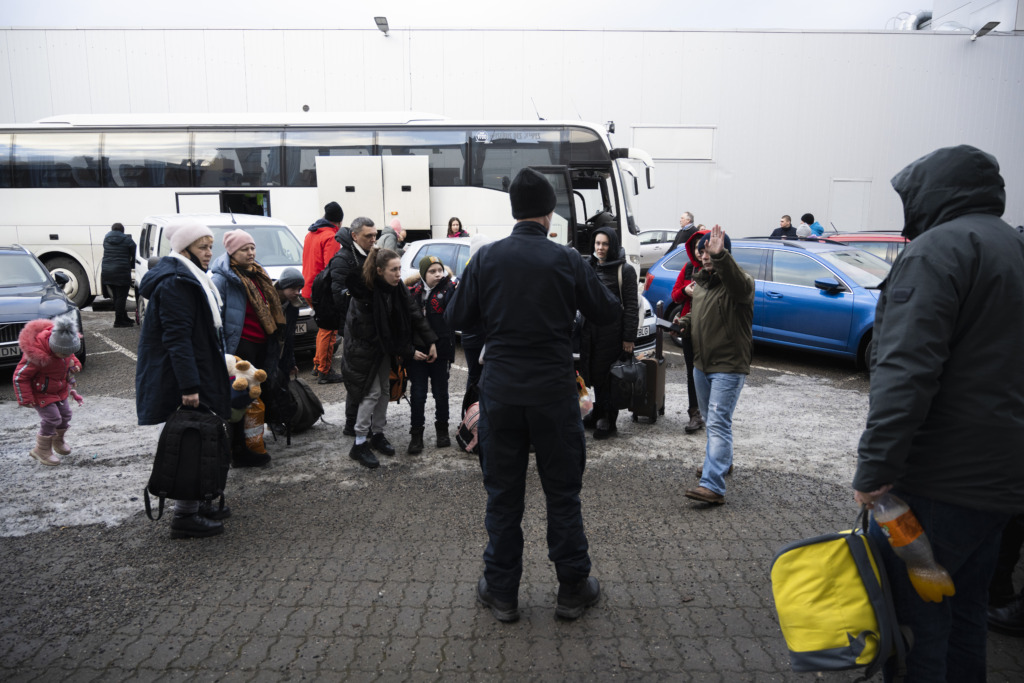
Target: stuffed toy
[(244, 377)]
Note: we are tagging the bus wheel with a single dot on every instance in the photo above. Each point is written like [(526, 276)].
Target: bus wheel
[(77, 288)]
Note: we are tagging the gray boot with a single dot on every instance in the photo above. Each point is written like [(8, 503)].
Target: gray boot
[(416, 442)]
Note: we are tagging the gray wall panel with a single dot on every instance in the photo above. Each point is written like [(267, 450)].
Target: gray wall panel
[(305, 62), (187, 84), (108, 71), (30, 75), (226, 85), (7, 112), (265, 76), (147, 65), (69, 72)]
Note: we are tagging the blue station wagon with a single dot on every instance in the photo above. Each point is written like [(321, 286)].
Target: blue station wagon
[(809, 295)]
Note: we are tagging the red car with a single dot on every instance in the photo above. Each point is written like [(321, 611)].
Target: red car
[(885, 244)]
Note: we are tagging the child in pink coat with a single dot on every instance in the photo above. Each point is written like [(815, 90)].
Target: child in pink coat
[(45, 378)]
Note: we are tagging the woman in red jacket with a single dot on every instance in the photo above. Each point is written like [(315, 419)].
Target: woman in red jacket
[(679, 296)]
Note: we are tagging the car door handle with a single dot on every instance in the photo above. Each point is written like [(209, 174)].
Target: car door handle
[(773, 295)]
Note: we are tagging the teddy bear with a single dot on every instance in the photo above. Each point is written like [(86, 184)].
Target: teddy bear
[(244, 376)]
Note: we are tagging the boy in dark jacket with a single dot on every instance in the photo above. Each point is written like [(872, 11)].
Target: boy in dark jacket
[(432, 293)]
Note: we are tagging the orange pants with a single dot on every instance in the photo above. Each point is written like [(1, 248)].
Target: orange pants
[(324, 350)]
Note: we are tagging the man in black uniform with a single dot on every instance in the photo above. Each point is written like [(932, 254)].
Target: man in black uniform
[(524, 291)]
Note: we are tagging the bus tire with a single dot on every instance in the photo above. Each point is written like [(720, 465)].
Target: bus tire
[(77, 289)]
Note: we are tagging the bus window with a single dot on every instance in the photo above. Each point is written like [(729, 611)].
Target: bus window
[(301, 148), (5, 160), (498, 155), (446, 149), (237, 159), (585, 146), (146, 160), (56, 160)]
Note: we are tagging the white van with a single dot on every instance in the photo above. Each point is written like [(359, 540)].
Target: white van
[(277, 248)]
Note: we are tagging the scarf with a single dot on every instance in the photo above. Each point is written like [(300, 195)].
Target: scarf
[(212, 295), (257, 284), (391, 318)]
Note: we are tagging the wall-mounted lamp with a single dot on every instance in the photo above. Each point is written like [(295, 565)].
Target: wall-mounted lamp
[(382, 24), (985, 30)]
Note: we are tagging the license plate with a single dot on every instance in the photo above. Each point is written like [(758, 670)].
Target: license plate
[(300, 328), (643, 331), (10, 351)]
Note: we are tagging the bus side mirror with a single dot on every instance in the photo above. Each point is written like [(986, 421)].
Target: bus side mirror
[(650, 178)]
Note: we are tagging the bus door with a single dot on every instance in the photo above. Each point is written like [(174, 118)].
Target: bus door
[(197, 202), (380, 188), (249, 202), (563, 222)]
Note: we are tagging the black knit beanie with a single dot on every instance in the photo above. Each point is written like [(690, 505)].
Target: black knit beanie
[(531, 195), (333, 212)]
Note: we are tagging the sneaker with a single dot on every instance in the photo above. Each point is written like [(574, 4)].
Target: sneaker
[(1008, 619), (380, 443), (695, 424), (315, 373), (194, 526), (209, 510), (329, 378), (700, 471), (362, 454), (575, 598), (704, 495), (502, 610)]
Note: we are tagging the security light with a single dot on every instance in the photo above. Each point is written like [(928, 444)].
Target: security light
[(382, 24), (984, 30)]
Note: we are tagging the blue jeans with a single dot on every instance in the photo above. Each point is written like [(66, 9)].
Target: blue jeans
[(717, 394), (556, 431), (420, 371), (949, 636)]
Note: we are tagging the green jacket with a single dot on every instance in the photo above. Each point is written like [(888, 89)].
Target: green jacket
[(719, 322)]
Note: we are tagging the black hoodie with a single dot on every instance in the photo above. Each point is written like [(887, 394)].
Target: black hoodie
[(946, 416)]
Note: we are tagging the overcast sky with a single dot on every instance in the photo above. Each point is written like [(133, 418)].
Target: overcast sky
[(404, 14)]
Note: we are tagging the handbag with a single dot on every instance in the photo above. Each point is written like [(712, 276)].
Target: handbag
[(629, 380)]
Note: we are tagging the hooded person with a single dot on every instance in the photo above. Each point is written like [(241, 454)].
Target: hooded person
[(389, 237), (253, 323), (181, 352), (116, 271), (679, 296), (945, 419), (603, 344)]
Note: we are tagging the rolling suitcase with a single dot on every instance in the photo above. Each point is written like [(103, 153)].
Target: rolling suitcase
[(652, 403)]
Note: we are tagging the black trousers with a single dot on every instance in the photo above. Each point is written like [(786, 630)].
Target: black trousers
[(691, 391), (556, 431), (119, 293)]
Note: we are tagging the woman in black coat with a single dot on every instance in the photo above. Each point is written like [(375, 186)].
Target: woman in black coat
[(181, 352), (602, 345), (381, 328), (116, 271)]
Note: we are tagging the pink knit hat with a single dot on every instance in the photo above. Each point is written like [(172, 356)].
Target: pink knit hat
[(236, 239), (396, 225)]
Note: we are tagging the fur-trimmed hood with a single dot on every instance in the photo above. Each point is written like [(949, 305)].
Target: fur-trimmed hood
[(34, 341)]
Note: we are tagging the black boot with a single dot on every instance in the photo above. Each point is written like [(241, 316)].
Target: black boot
[(380, 443), (362, 454), (416, 442), (574, 598), (1008, 619), (443, 440), (194, 525), (211, 510)]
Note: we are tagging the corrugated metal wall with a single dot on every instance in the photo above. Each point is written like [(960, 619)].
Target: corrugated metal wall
[(802, 121)]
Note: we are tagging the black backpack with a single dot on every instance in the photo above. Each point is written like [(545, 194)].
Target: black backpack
[(281, 408), (325, 312), (192, 459), (308, 408)]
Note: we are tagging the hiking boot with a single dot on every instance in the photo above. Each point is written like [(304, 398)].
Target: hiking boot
[(502, 610), (362, 454), (329, 378), (416, 442), (704, 495), (43, 451), (380, 443), (700, 471), (210, 510), (695, 424), (59, 445), (194, 525), (575, 598), (604, 429), (443, 440)]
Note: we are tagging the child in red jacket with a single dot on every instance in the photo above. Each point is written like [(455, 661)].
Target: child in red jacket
[(45, 378)]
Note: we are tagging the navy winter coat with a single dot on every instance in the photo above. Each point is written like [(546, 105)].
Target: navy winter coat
[(118, 259), (180, 351)]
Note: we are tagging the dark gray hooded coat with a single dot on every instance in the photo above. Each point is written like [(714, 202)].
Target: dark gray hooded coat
[(946, 416)]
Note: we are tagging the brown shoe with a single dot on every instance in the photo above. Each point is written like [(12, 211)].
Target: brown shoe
[(705, 495), (695, 424), (700, 471)]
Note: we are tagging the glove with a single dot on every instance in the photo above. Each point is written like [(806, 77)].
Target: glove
[(77, 396)]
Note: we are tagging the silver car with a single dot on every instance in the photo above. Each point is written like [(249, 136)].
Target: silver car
[(653, 245)]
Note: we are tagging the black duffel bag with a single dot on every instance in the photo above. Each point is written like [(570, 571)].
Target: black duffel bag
[(629, 382)]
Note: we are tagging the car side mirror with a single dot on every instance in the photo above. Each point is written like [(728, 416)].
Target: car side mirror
[(830, 285), (61, 279)]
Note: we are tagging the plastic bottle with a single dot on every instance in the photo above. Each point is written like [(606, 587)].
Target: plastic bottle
[(908, 540)]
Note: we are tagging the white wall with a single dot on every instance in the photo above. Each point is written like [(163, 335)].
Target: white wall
[(801, 121)]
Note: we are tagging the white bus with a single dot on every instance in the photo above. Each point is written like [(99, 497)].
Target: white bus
[(64, 180)]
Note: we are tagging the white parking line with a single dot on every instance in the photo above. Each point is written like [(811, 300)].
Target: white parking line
[(114, 345)]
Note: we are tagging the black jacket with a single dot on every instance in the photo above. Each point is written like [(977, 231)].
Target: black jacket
[(784, 233), (364, 348), (524, 291), (946, 417), (348, 260), (601, 345), (180, 351), (118, 259), (433, 310)]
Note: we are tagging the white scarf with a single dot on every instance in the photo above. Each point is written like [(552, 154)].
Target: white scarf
[(212, 295)]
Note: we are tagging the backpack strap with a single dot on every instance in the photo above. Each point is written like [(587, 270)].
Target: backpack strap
[(149, 508)]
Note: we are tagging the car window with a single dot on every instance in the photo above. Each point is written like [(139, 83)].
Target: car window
[(463, 259), (444, 251), (275, 245), (750, 261), (866, 270), (879, 249), (21, 269), (677, 261), (791, 268)]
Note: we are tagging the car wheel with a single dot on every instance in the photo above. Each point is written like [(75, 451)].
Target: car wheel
[(140, 310), (864, 353), (77, 288), (670, 315)]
